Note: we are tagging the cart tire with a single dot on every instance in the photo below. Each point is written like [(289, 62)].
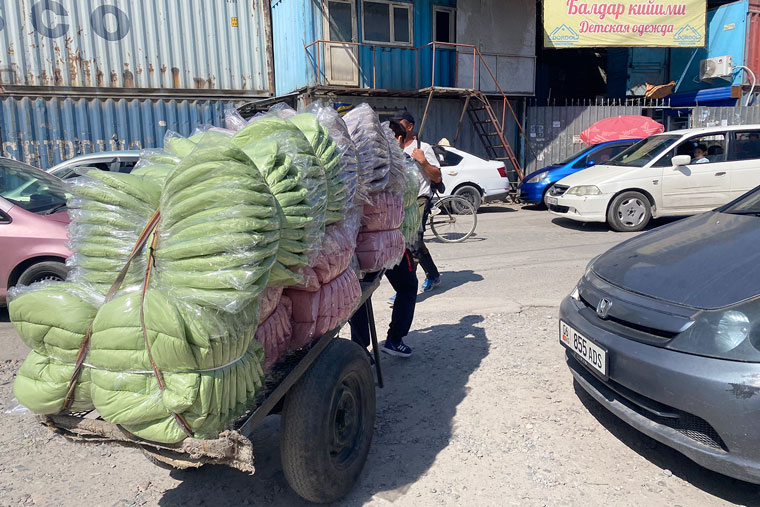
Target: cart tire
[(327, 424)]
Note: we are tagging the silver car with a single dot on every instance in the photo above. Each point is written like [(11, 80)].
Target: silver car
[(664, 331), (116, 161)]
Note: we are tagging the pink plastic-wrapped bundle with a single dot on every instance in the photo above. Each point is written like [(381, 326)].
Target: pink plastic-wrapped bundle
[(269, 300), (333, 259), (384, 212), (315, 313), (275, 333), (376, 250)]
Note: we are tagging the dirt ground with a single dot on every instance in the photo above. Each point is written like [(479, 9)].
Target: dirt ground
[(484, 413)]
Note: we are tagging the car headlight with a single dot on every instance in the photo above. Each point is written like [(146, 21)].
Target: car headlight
[(534, 178), (584, 190), (726, 334)]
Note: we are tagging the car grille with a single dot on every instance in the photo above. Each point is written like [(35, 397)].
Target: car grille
[(558, 190), (689, 425), (558, 209), (626, 328)]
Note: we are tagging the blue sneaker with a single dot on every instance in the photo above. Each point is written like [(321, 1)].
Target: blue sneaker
[(400, 350), (430, 284), (391, 300)]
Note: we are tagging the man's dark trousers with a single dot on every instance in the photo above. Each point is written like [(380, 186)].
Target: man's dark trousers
[(422, 253), (403, 279)]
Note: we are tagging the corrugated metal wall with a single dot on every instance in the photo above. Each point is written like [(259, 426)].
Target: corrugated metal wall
[(720, 116), (554, 131), (752, 54), (43, 132), (148, 44), (295, 23)]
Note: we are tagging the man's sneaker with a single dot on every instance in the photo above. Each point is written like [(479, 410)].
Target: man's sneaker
[(400, 350), (391, 300), (430, 284)]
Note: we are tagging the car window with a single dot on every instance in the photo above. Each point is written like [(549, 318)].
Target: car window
[(126, 166), (604, 155), (573, 157), (643, 152), (31, 189), (703, 149), (744, 145), (450, 159)]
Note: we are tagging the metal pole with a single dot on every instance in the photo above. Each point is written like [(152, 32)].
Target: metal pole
[(373, 336), (432, 76), (425, 114), (374, 67), (461, 119)]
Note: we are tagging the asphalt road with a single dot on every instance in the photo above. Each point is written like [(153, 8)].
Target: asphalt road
[(484, 412)]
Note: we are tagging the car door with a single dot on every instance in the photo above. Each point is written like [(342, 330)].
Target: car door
[(695, 187), (743, 161)]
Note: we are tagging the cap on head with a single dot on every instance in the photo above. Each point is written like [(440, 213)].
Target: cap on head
[(405, 115)]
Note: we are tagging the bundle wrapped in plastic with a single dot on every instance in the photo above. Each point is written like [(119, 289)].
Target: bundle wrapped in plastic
[(329, 154), (378, 250), (155, 165), (315, 313), (329, 118), (400, 162), (334, 257), (372, 148), (412, 218), (275, 332), (384, 212), (297, 180), (177, 357), (269, 300)]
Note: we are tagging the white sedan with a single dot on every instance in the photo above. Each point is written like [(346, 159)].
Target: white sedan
[(472, 177)]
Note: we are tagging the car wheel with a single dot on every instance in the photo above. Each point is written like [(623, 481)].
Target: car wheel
[(629, 212), (470, 193), (43, 271)]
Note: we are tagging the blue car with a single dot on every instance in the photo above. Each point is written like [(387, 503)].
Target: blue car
[(532, 188)]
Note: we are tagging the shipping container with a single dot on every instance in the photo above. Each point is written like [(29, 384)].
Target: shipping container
[(753, 37), (212, 47), (46, 131)]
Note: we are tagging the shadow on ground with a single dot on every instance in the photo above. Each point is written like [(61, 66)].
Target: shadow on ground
[(731, 490), (415, 414), (497, 207), (4, 314), (450, 280), (603, 227)]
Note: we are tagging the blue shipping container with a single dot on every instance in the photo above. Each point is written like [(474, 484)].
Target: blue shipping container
[(45, 131)]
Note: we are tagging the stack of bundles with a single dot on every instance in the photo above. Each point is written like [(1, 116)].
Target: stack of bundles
[(330, 156), (176, 357), (380, 243), (372, 148), (275, 331), (330, 289), (329, 118), (297, 180), (155, 165)]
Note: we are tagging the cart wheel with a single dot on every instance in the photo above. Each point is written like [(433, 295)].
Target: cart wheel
[(327, 424)]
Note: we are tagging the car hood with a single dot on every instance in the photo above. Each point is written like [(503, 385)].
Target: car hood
[(61, 216), (708, 261), (595, 175)]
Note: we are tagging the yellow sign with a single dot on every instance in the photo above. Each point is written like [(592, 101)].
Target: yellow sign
[(651, 23), (234, 22)]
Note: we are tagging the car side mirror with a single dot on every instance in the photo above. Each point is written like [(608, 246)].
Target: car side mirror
[(680, 160), (590, 163)]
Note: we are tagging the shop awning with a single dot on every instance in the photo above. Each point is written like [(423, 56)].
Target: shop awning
[(722, 96)]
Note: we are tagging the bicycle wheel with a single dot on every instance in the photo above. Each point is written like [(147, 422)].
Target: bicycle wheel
[(453, 219)]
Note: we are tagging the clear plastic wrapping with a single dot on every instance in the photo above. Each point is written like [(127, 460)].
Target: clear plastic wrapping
[(297, 180), (384, 212), (399, 162), (348, 173), (275, 333), (334, 257), (372, 148), (378, 250)]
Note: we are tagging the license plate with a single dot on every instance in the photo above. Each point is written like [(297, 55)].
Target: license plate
[(552, 200), (590, 354)]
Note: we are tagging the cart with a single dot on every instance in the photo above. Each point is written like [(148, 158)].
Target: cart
[(326, 395)]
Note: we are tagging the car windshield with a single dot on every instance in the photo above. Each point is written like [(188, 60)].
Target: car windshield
[(748, 204), (30, 188), (573, 157), (644, 151)]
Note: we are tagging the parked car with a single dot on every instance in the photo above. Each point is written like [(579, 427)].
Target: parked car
[(662, 176), (116, 161), (33, 221), (664, 331), (533, 187), (472, 177)]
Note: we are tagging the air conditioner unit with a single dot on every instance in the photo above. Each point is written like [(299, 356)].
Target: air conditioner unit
[(718, 67)]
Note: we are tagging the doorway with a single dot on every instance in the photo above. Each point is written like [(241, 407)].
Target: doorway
[(341, 60)]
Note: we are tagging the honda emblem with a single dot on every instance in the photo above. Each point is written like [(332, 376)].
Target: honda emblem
[(603, 308)]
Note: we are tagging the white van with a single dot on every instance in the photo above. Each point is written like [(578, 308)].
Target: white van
[(676, 173)]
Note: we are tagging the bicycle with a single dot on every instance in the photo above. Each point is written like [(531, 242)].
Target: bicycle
[(452, 218)]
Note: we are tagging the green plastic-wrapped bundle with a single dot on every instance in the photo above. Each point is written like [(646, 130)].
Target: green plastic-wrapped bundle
[(296, 178), (330, 156), (412, 219)]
